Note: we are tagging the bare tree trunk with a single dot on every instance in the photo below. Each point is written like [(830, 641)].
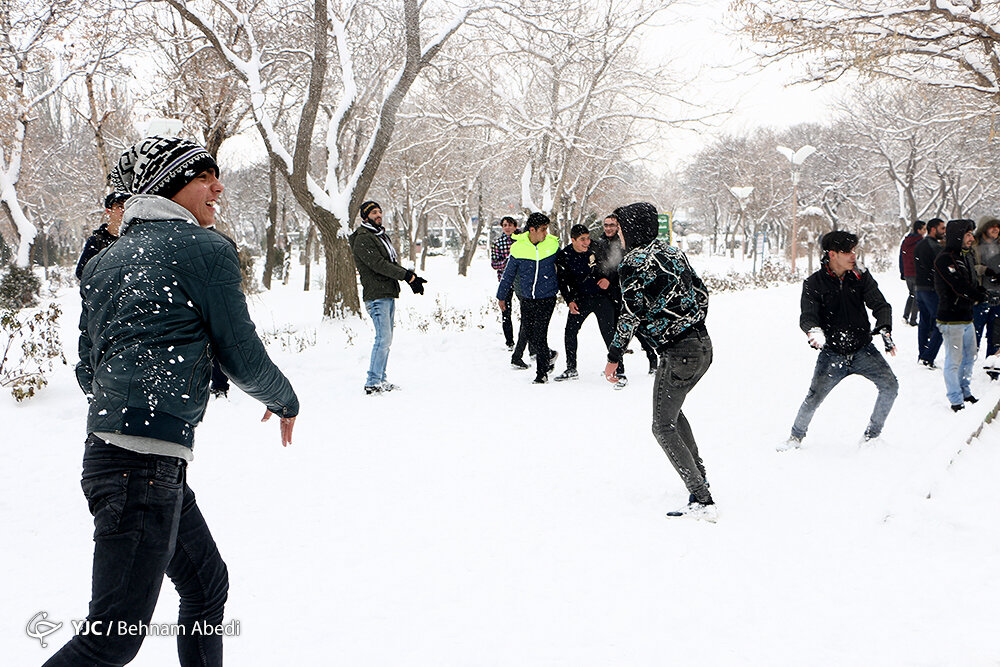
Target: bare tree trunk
[(310, 243), (270, 238), (97, 125)]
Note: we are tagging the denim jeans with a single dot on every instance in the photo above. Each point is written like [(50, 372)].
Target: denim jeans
[(680, 368), (831, 368), (382, 312), (146, 524), (959, 354), (928, 336), (603, 309), (506, 319)]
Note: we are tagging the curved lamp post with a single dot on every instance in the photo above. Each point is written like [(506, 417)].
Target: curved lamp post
[(742, 194), (796, 158)]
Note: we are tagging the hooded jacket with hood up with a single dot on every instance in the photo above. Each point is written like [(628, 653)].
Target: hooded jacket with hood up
[(955, 278), (663, 299)]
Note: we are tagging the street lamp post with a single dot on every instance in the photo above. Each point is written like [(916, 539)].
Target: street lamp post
[(796, 158), (742, 194)]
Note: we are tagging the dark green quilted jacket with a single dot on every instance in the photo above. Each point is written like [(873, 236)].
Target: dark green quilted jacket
[(157, 305), (380, 276)]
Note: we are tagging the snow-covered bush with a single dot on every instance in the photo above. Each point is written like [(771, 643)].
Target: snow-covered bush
[(30, 340), (19, 288), (772, 272)]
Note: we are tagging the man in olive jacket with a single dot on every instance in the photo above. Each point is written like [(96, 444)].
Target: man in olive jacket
[(158, 304), (378, 266)]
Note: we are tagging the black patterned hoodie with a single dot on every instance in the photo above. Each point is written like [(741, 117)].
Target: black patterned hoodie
[(662, 297)]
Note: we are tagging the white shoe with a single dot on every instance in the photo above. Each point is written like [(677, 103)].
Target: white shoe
[(621, 383), (877, 441), (697, 511), (791, 443)]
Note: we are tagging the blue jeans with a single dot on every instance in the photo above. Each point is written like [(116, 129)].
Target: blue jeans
[(959, 354), (146, 524), (382, 312), (831, 368), (680, 368), (928, 336)]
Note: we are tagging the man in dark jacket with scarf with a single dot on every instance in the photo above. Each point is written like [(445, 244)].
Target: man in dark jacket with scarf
[(378, 266), (908, 269), (609, 253), (106, 234), (157, 305), (924, 254), (665, 302), (836, 323), (958, 292)]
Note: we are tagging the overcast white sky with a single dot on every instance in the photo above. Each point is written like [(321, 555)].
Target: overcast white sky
[(698, 39)]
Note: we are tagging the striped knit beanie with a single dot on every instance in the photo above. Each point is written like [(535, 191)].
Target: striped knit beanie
[(160, 166)]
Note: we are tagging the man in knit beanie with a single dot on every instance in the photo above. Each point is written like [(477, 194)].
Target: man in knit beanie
[(158, 305)]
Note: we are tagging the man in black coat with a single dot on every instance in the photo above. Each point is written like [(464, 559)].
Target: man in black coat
[(958, 291), (157, 305), (836, 323), (107, 233), (924, 254), (575, 265), (609, 252)]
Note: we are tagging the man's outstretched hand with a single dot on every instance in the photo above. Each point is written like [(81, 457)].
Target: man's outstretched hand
[(287, 424)]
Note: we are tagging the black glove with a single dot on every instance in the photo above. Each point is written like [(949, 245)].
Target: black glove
[(417, 284), (220, 383)]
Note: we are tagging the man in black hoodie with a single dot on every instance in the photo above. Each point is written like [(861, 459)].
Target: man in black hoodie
[(958, 290), (665, 302), (928, 336), (836, 323)]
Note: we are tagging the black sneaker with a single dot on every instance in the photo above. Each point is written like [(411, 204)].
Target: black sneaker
[(552, 360), (510, 347), (540, 379), (929, 364), (373, 389), (971, 399), (568, 374), (518, 364), (959, 406)]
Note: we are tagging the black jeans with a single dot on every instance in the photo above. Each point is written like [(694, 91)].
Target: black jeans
[(910, 311), (146, 523), (506, 320), (680, 368), (603, 309), (535, 317)]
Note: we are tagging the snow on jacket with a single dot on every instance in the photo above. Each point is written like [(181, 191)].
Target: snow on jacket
[(98, 241), (157, 305), (575, 271), (923, 261), (955, 278), (837, 306), (380, 275), (907, 266), (531, 268), (499, 252), (663, 299)]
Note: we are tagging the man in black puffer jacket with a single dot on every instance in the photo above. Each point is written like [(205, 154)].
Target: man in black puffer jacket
[(836, 322), (157, 304), (106, 234), (958, 291)]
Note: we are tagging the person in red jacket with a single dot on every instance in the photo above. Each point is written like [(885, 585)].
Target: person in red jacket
[(908, 269)]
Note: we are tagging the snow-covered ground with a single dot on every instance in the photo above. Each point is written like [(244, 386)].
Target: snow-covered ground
[(473, 518)]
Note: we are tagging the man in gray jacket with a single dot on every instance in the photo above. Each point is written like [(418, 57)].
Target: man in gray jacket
[(158, 304), (378, 266)]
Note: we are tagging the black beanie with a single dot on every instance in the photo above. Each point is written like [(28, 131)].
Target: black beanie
[(954, 233), (638, 223), (160, 166), (536, 220), (115, 198), (839, 241), (367, 208)]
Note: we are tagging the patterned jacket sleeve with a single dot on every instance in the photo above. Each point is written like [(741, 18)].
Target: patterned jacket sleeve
[(632, 313), (497, 258)]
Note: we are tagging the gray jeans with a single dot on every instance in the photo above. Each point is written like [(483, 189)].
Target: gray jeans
[(681, 367)]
